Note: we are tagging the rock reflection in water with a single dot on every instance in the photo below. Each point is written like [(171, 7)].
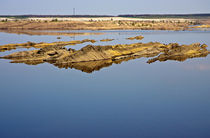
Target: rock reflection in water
[(87, 67), (91, 58), (53, 33), (91, 66), (180, 58)]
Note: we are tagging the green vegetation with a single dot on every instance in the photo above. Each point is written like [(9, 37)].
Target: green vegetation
[(54, 20), (4, 20)]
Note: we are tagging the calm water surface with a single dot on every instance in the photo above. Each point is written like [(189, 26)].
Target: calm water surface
[(129, 100)]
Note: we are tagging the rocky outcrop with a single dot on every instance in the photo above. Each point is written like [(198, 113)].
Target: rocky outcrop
[(106, 40), (29, 44), (181, 53), (202, 26), (91, 58), (136, 37)]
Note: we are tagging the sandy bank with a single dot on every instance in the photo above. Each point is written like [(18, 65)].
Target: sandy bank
[(91, 58)]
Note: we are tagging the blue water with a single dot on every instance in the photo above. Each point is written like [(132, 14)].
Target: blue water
[(129, 100)]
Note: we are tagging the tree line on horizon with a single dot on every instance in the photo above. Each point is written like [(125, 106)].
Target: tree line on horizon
[(122, 15)]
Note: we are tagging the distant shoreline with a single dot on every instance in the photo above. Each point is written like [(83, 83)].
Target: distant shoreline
[(196, 15), (100, 23), (93, 19)]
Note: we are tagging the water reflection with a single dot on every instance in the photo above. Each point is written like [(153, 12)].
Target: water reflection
[(87, 67), (91, 58), (132, 99), (91, 66), (53, 33), (181, 58)]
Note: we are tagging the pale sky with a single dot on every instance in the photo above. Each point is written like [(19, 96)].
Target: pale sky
[(106, 7)]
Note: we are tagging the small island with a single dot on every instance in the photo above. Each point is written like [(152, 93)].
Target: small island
[(91, 58)]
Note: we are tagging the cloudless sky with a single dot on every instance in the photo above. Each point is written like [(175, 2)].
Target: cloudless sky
[(99, 7)]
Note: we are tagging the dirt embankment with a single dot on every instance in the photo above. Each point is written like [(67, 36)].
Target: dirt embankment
[(29, 44), (97, 25), (204, 23), (202, 26), (91, 58), (53, 33)]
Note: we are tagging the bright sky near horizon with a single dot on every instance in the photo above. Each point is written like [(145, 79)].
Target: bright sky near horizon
[(103, 7)]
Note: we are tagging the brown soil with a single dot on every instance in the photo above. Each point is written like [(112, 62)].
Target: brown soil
[(136, 37), (106, 40), (91, 58), (54, 33), (95, 25), (9, 47)]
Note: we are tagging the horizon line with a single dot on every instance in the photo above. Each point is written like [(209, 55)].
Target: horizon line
[(108, 15)]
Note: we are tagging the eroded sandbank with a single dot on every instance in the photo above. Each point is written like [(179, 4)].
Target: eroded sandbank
[(91, 58)]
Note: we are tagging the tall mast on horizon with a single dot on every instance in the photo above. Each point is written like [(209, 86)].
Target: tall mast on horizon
[(74, 11)]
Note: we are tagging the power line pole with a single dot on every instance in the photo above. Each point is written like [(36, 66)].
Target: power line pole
[(74, 11)]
